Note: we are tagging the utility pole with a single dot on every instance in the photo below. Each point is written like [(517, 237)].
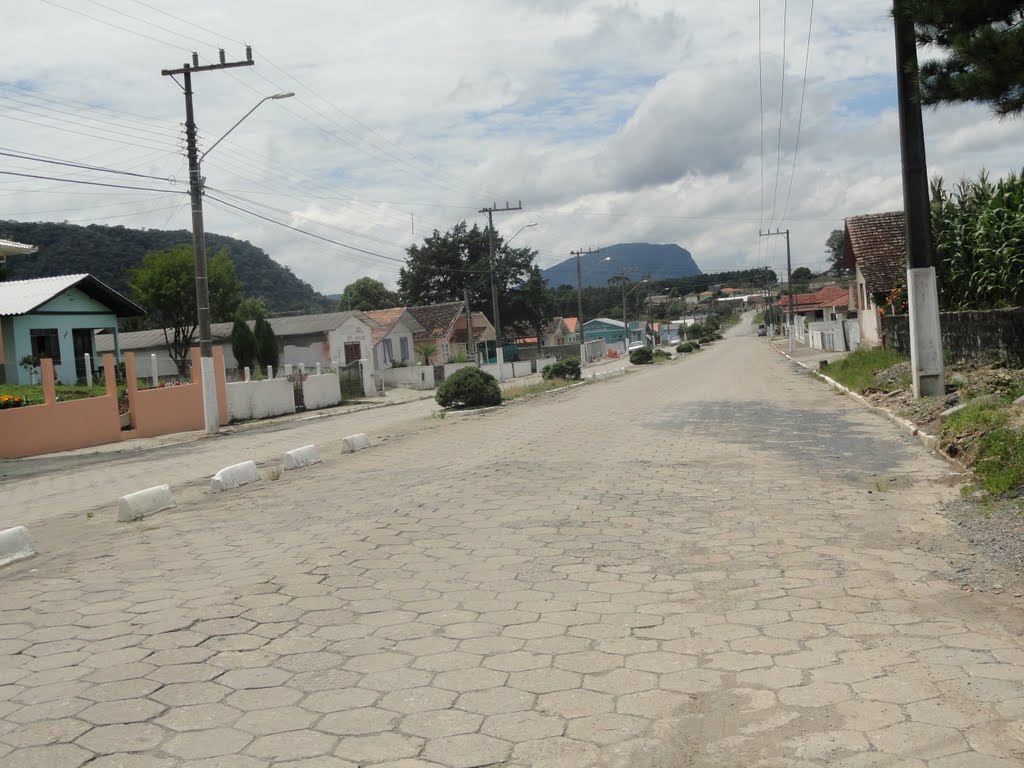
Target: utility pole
[(579, 302), (470, 340), (195, 187), (499, 351), (926, 361), (789, 283)]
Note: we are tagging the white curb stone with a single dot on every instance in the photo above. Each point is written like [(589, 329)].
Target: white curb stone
[(15, 545), (235, 476), (354, 443), (140, 504), (302, 457)]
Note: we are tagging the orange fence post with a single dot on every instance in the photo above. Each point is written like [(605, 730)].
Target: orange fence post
[(110, 375), (49, 388), (133, 388)]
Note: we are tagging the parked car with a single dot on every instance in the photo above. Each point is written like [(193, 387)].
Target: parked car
[(636, 345), (762, 331)]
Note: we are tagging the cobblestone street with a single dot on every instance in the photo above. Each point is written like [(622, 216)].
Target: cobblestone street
[(713, 562)]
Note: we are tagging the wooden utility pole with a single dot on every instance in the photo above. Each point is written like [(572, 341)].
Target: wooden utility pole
[(927, 364), (498, 351), (195, 186), (789, 283), (579, 302)]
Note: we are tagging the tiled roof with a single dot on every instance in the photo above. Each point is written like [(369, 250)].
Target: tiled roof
[(437, 319), (386, 320), (877, 243), (482, 329), (827, 297), (20, 297), (570, 323)]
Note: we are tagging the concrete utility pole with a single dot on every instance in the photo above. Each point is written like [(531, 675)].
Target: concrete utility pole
[(922, 290), (195, 186), (498, 351), (789, 283), (579, 302), (470, 339)]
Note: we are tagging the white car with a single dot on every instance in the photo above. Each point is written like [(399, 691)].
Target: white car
[(636, 345)]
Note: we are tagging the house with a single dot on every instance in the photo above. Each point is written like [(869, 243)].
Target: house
[(612, 332), (394, 336), (11, 248), (445, 328), (572, 334), (57, 317), (828, 303), (875, 247), (331, 338), (555, 333)]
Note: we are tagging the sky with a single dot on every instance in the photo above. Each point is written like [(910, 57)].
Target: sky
[(644, 121)]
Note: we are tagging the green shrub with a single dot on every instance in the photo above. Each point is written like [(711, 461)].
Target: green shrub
[(641, 356), (267, 351), (706, 339), (469, 388), (686, 347), (244, 345), (695, 345), (660, 355), (695, 331), (568, 369)]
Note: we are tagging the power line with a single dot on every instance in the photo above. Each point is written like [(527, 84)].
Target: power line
[(90, 183), (800, 119), (760, 92), (70, 164), (115, 26), (782, 104)]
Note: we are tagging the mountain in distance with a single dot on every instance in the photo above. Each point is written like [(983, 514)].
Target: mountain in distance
[(637, 259), (108, 253)]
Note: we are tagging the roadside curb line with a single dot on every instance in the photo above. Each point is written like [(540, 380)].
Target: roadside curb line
[(356, 442), (15, 545), (930, 442), (135, 506), (235, 476), (302, 457)]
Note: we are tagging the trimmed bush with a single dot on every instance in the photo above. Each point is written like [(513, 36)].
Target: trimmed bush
[(641, 356), (660, 355), (686, 347), (568, 369), (695, 345), (468, 388)]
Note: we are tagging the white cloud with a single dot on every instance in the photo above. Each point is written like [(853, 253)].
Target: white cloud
[(612, 121)]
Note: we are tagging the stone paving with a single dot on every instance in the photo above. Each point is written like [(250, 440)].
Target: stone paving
[(707, 563)]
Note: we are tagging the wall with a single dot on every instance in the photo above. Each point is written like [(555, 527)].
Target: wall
[(492, 368), (450, 368), (166, 410), (523, 368), (867, 314), (410, 377), (827, 335), (978, 337), (321, 391), (261, 399), (33, 430)]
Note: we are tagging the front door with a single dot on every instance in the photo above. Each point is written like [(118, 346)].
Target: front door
[(81, 339), (353, 352)]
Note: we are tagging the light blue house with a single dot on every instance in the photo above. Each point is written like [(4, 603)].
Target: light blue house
[(612, 331), (56, 317)]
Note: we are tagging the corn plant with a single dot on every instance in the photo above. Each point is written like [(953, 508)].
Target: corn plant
[(978, 238)]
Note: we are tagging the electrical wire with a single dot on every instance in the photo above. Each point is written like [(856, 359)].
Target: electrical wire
[(4, 152), (89, 183), (800, 119), (782, 104), (115, 26)]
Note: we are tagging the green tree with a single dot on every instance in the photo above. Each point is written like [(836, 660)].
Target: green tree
[(834, 249), (243, 343), (165, 286), (982, 51), (366, 294), (446, 265), (802, 275), (529, 307), (250, 308), (267, 351)]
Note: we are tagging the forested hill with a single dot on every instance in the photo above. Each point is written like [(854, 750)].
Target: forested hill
[(109, 252)]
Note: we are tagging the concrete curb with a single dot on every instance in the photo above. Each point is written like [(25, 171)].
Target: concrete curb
[(930, 442), (354, 443), (15, 545), (140, 504), (302, 457), (235, 476)]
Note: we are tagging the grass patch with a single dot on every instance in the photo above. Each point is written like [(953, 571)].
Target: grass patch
[(999, 467), (32, 394), (857, 370), (548, 385)]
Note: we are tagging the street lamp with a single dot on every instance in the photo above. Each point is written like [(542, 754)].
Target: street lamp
[(196, 183), (625, 295), (525, 226)]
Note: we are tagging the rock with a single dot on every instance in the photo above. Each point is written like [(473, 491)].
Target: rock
[(957, 408)]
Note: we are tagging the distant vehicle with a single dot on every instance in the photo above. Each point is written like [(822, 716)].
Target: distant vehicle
[(636, 345), (762, 331)]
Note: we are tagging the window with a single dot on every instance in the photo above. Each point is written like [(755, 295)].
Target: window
[(445, 352), (389, 354), (403, 345), (863, 297), (45, 343)]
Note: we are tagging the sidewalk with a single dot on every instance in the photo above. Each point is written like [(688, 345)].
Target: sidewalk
[(810, 357)]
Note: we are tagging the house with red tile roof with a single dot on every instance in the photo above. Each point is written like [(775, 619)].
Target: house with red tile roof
[(875, 247), (572, 334), (394, 337), (446, 328)]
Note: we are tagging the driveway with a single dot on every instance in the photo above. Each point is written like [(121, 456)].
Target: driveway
[(712, 562)]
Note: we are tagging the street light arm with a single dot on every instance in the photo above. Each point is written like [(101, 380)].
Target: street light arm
[(525, 226), (258, 104)]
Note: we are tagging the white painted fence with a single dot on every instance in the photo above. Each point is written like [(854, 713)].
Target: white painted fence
[(410, 377), (260, 399), (321, 391), (450, 368)]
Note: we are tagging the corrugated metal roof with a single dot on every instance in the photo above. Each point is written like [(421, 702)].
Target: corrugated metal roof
[(12, 248), (20, 297)]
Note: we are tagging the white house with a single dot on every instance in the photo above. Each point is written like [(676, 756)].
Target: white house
[(875, 245), (394, 336)]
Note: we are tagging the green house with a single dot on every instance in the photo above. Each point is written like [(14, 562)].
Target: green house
[(56, 317)]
